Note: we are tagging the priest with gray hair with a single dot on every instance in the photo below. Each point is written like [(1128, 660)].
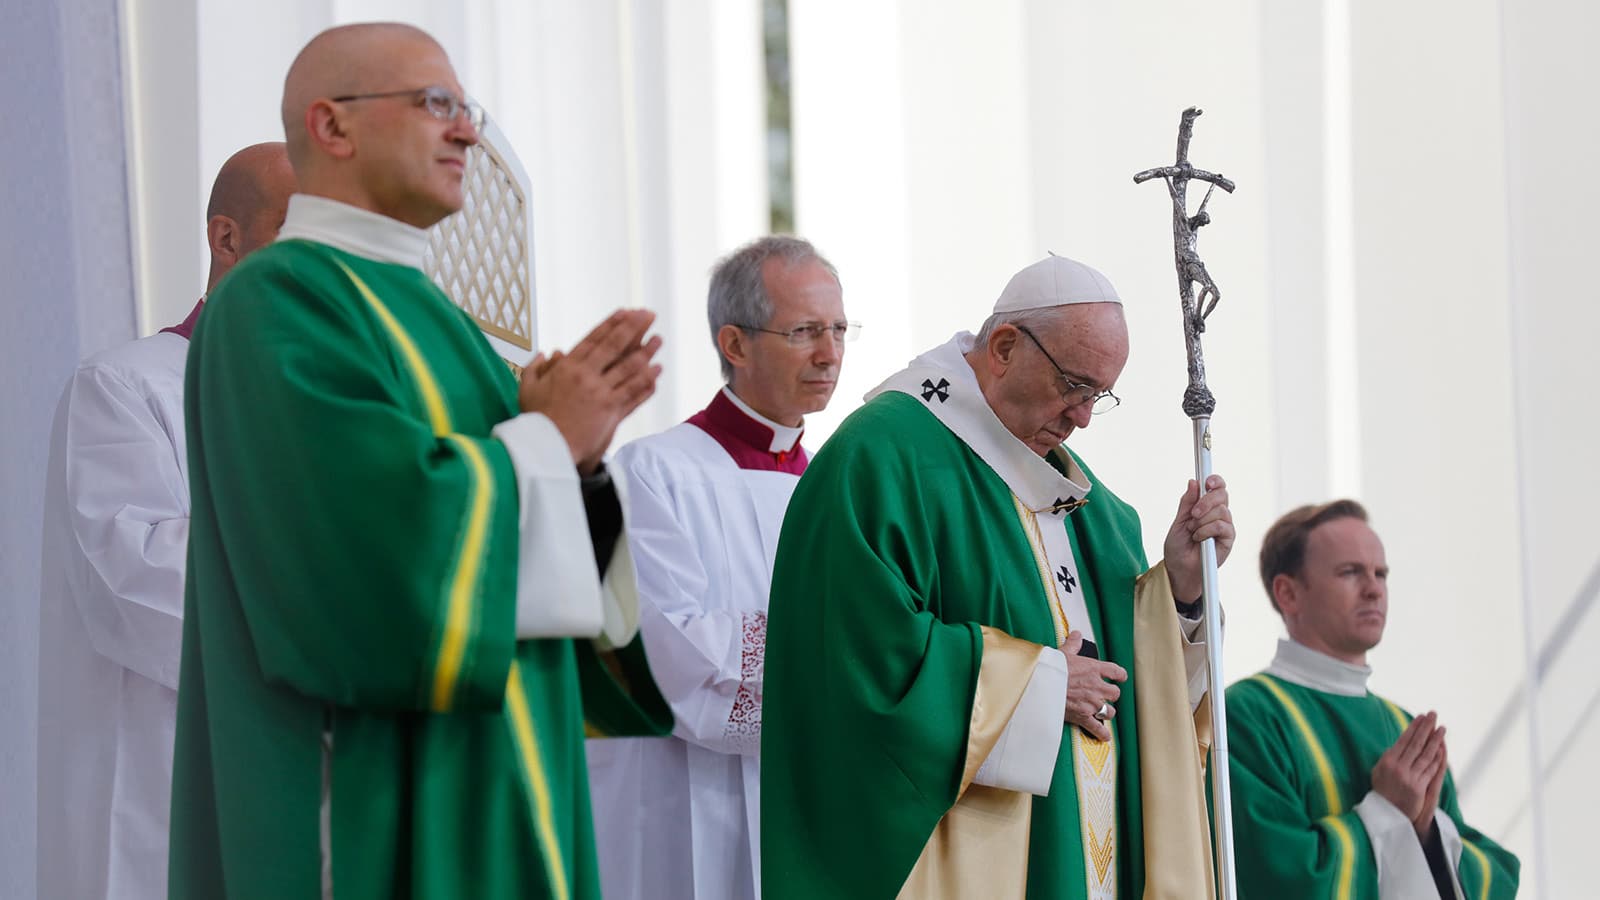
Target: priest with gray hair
[(976, 685), (679, 816)]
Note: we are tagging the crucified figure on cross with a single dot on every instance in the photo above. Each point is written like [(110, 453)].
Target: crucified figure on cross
[(1185, 238)]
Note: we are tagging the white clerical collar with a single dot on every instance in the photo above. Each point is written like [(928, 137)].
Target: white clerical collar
[(943, 381), (1299, 664), (354, 230), (783, 437)]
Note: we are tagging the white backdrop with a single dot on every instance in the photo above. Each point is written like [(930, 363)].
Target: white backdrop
[(1407, 314), (64, 246)]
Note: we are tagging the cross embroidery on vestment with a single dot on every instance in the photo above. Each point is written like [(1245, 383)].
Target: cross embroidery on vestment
[(930, 390), (1066, 579), (1066, 506)]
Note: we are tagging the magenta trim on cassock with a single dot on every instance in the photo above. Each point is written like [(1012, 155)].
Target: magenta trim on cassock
[(185, 329), (745, 439)]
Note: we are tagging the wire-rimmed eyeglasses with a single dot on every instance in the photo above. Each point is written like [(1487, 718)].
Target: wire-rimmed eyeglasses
[(439, 102), (801, 335), (1072, 393)]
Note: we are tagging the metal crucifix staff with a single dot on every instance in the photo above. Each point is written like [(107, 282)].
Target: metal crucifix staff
[(1198, 404)]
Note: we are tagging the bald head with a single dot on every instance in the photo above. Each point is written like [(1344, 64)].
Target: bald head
[(340, 62), (248, 202), (375, 118), (245, 182)]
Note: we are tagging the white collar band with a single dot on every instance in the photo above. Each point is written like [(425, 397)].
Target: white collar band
[(943, 380), (784, 437), (1299, 664), (354, 230)]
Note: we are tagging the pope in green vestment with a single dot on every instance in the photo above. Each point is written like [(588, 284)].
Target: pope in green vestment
[(930, 563), (385, 681), (1303, 738)]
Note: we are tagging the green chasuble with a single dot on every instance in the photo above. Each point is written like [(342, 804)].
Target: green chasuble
[(902, 567), (1305, 825), (356, 716)]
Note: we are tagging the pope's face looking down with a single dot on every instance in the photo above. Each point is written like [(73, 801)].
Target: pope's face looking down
[(1089, 341)]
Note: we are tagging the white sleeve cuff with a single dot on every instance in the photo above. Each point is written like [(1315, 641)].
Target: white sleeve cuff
[(1193, 633), (1451, 839), (1192, 629), (1402, 867), (558, 589), (1024, 758), (619, 590)]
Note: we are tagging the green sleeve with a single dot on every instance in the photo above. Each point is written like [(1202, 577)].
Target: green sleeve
[(1280, 848), (1487, 870), (375, 561), (868, 692), (620, 697)]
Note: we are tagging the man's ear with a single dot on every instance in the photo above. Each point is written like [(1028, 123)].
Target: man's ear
[(1002, 348), (225, 238), (1285, 594), (734, 345), (326, 130)]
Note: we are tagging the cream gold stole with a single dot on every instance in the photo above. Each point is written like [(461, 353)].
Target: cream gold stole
[(980, 846), (1094, 762)]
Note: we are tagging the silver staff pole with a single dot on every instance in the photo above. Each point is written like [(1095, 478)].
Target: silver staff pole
[(1198, 404)]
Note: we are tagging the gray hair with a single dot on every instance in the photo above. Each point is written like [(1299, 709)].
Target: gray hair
[(1032, 319), (738, 294)]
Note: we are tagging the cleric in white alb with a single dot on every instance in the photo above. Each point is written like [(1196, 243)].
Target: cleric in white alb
[(116, 536), (679, 816)]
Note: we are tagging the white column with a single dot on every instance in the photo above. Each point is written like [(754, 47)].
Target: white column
[(1552, 321), (561, 96), (851, 183), (163, 129), (1436, 425), (702, 177), (64, 244)]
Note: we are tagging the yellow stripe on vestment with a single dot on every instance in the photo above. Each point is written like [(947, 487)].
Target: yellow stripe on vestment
[(458, 610), (1399, 717), (1483, 863), (463, 581), (1324, 769), (533, 768), (431, 397), (1347, 856)]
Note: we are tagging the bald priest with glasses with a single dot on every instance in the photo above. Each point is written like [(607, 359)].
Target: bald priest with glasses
[(408, 580), (975, 684)]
